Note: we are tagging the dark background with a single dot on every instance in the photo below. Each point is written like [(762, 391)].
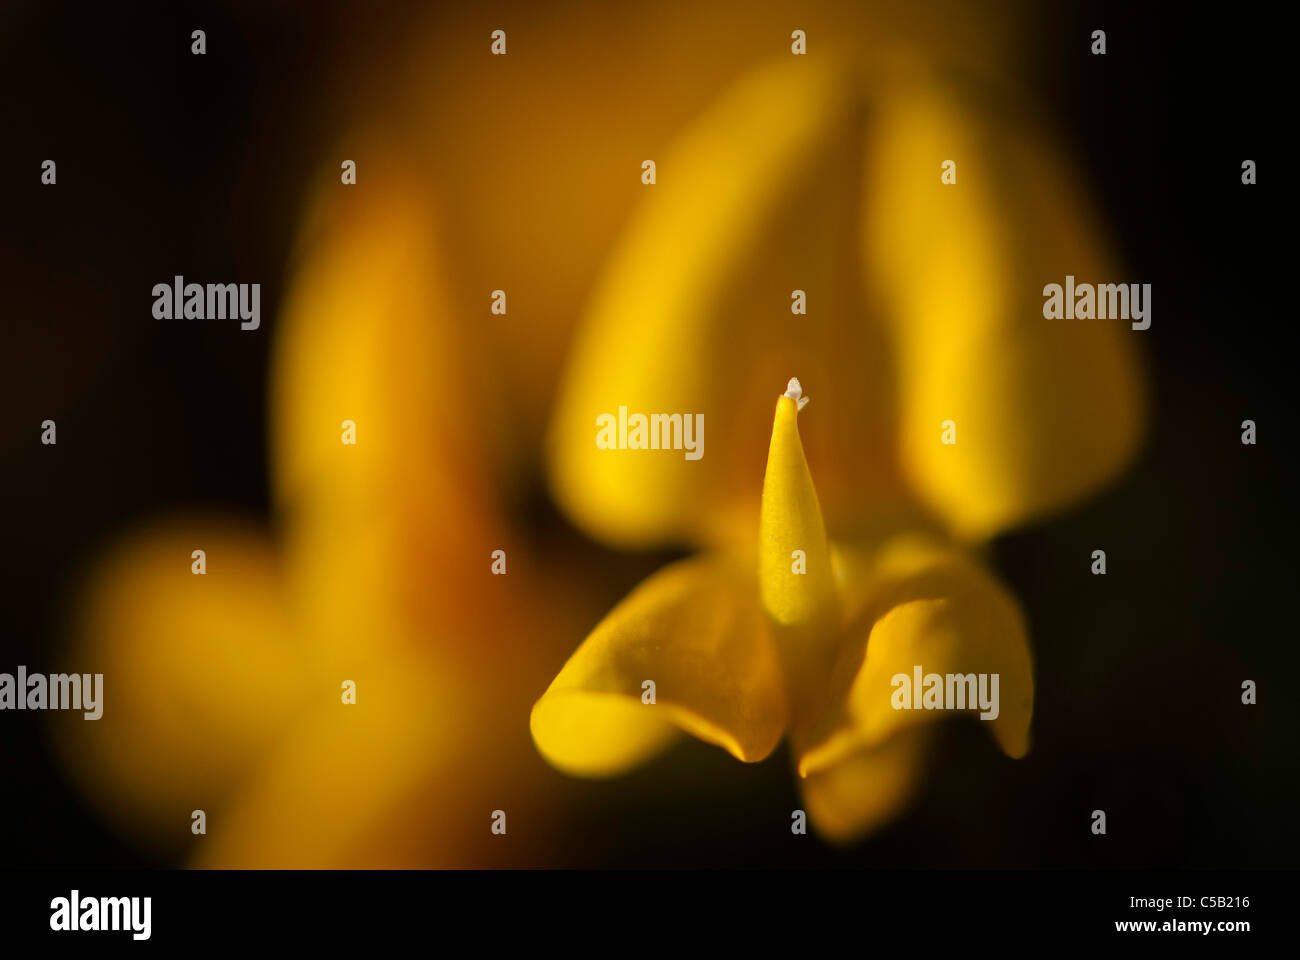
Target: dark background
[(170, 163)]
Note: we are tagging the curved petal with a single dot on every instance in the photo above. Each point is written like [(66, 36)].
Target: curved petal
[(928, 608), (199, 677), (696, 629), (1046, 410), (867, 789), (694, 316)]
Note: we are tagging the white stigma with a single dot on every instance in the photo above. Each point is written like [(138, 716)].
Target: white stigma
[(795, 393)]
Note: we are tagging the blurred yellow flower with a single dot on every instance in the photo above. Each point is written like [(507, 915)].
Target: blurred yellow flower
[(923, 306), (225, 689)]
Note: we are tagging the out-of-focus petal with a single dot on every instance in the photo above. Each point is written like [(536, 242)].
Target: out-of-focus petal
[(576, 134), (384, 532), (927, 606), (867, 789), (199, 676), (753, 202), (697, 631), (1045, 410), (338, 771)]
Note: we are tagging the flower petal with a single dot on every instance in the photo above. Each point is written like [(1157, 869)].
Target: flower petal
[(921, 605), (199, 674), (795, 590), (368, 336), (696, 629), (867, 789), (796, 579), (338, 771), (1046, 410), (694, 316)]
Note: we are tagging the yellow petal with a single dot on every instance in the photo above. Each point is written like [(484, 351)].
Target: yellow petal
[(1045, 411), (796, 580), (694, 316), (378, 531), (199, 676), (926, 606), (866, 790), (696, 630), (795, 576), (337, 773)]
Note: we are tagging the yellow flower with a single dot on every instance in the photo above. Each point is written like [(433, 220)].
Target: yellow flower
[(923, 306), (225, 690), (809, 644)]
